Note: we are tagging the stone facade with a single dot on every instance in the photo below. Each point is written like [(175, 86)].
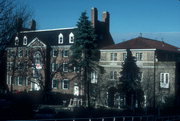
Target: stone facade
[(155, 69)]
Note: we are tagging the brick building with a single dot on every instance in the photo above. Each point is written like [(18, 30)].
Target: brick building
[(158, 63), (35, 55)]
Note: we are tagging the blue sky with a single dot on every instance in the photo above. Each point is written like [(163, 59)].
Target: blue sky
[(156, 19)]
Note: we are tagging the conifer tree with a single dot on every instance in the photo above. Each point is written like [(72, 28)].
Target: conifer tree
[(84, 52), (130, 82)]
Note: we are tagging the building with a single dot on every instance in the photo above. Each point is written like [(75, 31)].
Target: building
[(159, 67), (35, 56)]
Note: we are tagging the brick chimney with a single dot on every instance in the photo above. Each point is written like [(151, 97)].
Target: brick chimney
[(19, 24), (32, 24), (94, 17), (106, 19)]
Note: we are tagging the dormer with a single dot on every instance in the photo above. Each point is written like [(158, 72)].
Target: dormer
[(60, 38), (25, 40), (71, 38), (16, 41)]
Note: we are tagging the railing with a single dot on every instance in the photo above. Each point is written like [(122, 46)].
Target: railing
[(118, 118)]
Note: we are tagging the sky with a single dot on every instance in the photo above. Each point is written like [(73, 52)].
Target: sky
[(155, 19)]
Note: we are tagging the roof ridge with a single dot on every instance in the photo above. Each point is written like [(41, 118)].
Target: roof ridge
[(48, 30)]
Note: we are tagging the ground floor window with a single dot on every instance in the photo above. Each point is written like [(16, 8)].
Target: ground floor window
[(55, 84), (164, 80), (65, 84)]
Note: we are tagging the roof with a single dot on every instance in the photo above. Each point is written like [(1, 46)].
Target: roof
[(49, 36), (143, 43)]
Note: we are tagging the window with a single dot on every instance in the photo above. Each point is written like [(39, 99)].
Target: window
[(138, 56), (20, 82), (25, 40), (16, 80), (65, 84), (9, 79), (77, 69), (113, 56), (71, 38), (65, 67), (55, 52), (65, 53), (164, 80), (20, 53), (94, 77), (141, 76), (55, 84), (9, 66), (37, 57), (113, 75), (26, 53), (16, 41), (60, 38), (124, 56), (55, 67)]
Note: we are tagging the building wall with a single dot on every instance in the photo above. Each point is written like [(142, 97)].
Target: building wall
[(150, 68)]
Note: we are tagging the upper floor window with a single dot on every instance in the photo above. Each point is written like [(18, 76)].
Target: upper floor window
[(65, 67), (37, 57), (65, 53), (113, 75), (71, 38), (25, 40), (113, 56), (55, 52), (124, 56), (60, 38), (138, 56), (94, 77), (65, 84), (55, 84), (164, 80), (20, 53), (16, 41)]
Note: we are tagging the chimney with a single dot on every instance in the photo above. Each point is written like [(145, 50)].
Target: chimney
[(106, 19), (19, 24), (94, 16), (32, 24)]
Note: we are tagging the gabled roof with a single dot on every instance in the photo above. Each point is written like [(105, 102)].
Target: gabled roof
[(143, 43)]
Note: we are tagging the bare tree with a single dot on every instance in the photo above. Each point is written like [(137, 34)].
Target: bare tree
[(9, 13)]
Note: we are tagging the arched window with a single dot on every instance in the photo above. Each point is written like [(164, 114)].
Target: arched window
[(60, 38), (16, 41), (37, 57), (25, 40), (71, 38)]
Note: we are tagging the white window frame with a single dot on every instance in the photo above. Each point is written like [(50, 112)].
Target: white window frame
[(113, 75), (68, 84), (54, 52), (19, 81), (16, 41), (53, 83), (8, 81), (124, 56), (139, 56), (26, 81), (164, 80), (25, 40), (60, 38), (113, 56), (64, 53), (94, 77), (71, 38), (19, 53), (64, 67)]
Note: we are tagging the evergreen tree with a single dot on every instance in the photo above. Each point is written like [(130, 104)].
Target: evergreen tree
[(130, 81), (84, 52)]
